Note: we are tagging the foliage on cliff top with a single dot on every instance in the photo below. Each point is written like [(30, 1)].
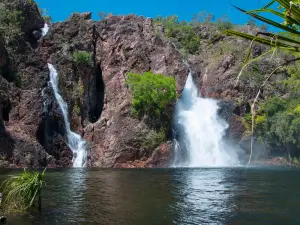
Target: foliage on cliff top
[(152, 93), (187, 35), (10, 21), (182, 32), (23, 191)]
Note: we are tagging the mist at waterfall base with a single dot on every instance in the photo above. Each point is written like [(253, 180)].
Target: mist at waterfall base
[(75, 142), (199, 132)]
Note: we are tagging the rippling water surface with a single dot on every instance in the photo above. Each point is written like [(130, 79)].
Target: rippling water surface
[(172, 196)]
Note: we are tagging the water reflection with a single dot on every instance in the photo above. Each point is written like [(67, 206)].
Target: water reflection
[(143, 200), (266, 196), (170, 196), (202, 197)]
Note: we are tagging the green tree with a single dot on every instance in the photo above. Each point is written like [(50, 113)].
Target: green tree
[(278, 122), (151, 93)]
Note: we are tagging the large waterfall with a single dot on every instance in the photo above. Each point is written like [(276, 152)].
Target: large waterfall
[(75, 142), (199, 132)]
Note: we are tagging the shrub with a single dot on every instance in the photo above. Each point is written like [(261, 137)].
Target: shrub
[(293, 82), (82, 58), (253, 75), (224, 23), (186, 36), (76, 110), (278, 121), (18, 80), (182, 32), (153, 139), (10, 22), (152, 93), (23, 191)]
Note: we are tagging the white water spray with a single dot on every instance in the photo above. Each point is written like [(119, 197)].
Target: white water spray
[(75, 142), (45, 29), (200, 132)]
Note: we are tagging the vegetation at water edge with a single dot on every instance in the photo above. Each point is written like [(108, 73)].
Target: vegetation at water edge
[(23, 191)]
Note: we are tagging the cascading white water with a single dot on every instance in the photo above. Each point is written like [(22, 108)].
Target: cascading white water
[(75, 142), (199, 132), (45, 29)]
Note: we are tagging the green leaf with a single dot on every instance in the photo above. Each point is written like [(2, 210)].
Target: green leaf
[(268, 21)]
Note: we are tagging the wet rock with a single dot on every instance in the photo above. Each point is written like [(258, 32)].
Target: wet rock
[(36, 34), (3, 219), (257, 51), (160, 157)]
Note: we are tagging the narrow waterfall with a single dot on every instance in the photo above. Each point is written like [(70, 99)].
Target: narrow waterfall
[(75, 142), (199, 132), (45, 29)]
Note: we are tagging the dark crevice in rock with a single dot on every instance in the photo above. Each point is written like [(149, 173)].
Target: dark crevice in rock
[(96, 85), (5, 107), (96, 95), (7, 144), (5, 110), (5, 70)]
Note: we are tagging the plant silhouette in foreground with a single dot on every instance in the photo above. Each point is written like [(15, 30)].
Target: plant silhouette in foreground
[(23, 191)]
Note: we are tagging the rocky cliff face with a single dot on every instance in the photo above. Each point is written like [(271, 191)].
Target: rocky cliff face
[(31, 125), (98, 98)]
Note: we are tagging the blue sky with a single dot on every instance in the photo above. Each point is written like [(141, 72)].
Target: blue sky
[(61, 9)]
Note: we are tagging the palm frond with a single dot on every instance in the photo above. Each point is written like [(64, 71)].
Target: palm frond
[(275, 41), (269, 21), (290, 19)]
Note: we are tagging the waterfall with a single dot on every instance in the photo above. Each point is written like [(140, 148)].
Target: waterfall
[(199, 132), (45, 29), (75, 142)]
